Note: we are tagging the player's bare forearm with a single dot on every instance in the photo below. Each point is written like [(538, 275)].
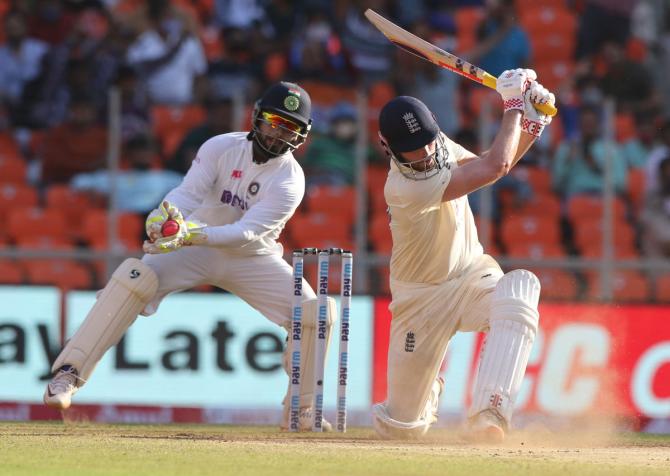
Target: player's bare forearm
[(525, 142)]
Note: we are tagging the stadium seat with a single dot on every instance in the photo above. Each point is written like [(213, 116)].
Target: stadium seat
[(552, 46), (380, 234), (557, 284), (36, 222), (9, 149), (318, 229), (585, 207), (12, 171), (338, 203), (130, 229), (376, 179), (63, 273), (171, 123), (75, 205), (16, 196), (536, 251), (529, 229), (553, 74), (636, 188), (627, 286), (540, 19), (588, 233), (662, 285), (11, 272), (490, 238), (624, 126), (537, 177), (540, 204), (467, 21)]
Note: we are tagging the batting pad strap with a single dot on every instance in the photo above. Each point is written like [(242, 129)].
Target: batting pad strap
[(389, 428), (130, 288)]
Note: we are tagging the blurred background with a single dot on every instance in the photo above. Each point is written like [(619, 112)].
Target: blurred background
[(103, 104)]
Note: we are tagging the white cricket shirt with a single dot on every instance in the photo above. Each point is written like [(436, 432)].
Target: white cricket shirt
[(433, 241), (244, 204)]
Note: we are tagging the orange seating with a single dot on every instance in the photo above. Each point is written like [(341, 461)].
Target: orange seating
[(211, 43), (467, 20), (548, 45), (627, 286), (54, 243), (553, 74), (379, 94), (72, 203), (636, 188), (538, 177), (557, 284), (529, 228), (541, 204), (541, 19), (326, 94), (337, 202), (12, 170), (129, 228), (588, 233), (380, 234), (663, 288), (624, 125), (488, 239), (11, 272), (382, 281), (591, 207), (536, 251), (171, 123), (27, 222), (62, 273), (16, 196), (318, 230)]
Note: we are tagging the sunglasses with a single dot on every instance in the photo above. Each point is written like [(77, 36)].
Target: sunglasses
[(276, 120)]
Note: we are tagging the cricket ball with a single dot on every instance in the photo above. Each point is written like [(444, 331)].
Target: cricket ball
[(169, 228)]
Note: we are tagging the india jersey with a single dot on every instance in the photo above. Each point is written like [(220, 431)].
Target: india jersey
[(433, 241), (244, 204)]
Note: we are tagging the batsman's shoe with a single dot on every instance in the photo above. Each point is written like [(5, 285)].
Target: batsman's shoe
[(434, 398), (61, 388), (487, 427), (306, 420)]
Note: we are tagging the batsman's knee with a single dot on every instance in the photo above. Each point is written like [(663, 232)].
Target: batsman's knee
[(391, 429), (516, 297)]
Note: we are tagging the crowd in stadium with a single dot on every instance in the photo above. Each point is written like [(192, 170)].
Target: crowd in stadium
[(185, 68)]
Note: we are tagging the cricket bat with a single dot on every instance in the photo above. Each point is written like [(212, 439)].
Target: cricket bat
[(429, 52)]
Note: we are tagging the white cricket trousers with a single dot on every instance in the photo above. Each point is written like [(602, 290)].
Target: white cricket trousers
[(425, 317), (265, 282)]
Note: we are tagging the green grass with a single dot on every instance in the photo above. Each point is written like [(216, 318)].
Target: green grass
[(92, 449)]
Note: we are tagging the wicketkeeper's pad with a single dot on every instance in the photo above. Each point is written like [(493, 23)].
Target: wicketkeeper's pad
[(131, 287)]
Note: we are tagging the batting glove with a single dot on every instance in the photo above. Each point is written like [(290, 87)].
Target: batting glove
[(533, 121), (512, 84)]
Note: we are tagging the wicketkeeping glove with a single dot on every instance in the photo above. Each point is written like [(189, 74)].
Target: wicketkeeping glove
[(158, 217), (533, 121), (512, 84), (190, 232)]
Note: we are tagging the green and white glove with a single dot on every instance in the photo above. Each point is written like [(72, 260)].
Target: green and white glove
[(189, 233)]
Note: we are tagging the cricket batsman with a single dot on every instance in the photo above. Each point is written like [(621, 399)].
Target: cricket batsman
[(232, 205), (441, 281)]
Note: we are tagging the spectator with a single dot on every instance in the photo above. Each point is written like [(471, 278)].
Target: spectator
[(139, 188), (21, 58), (657, 154), (629, 83), (168, 56), (330, 158), (51, 21), (656, 215), (432, 85), (521, 191), (637, 149), (503, 44), (369, 50), (602, 21), (579, 163), (317, 52), (78, 145), (135, 107), (219, 121), (238, 72)]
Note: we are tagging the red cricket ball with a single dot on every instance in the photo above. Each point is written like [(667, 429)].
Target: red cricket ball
[(169, 228)]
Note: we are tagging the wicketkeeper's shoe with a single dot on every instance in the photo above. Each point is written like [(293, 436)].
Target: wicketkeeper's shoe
[(61, 388), (486, 427), (306, 419)]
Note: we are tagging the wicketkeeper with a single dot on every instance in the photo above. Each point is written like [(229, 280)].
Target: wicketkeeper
[(441, 280), (244, 186)]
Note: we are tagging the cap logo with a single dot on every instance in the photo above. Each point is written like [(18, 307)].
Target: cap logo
[(291, 103), (412, 123)]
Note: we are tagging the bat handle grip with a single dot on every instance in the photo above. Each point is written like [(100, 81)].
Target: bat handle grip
[(548, 109)]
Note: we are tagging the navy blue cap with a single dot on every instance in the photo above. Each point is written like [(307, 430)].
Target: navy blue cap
[(407, 124)]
